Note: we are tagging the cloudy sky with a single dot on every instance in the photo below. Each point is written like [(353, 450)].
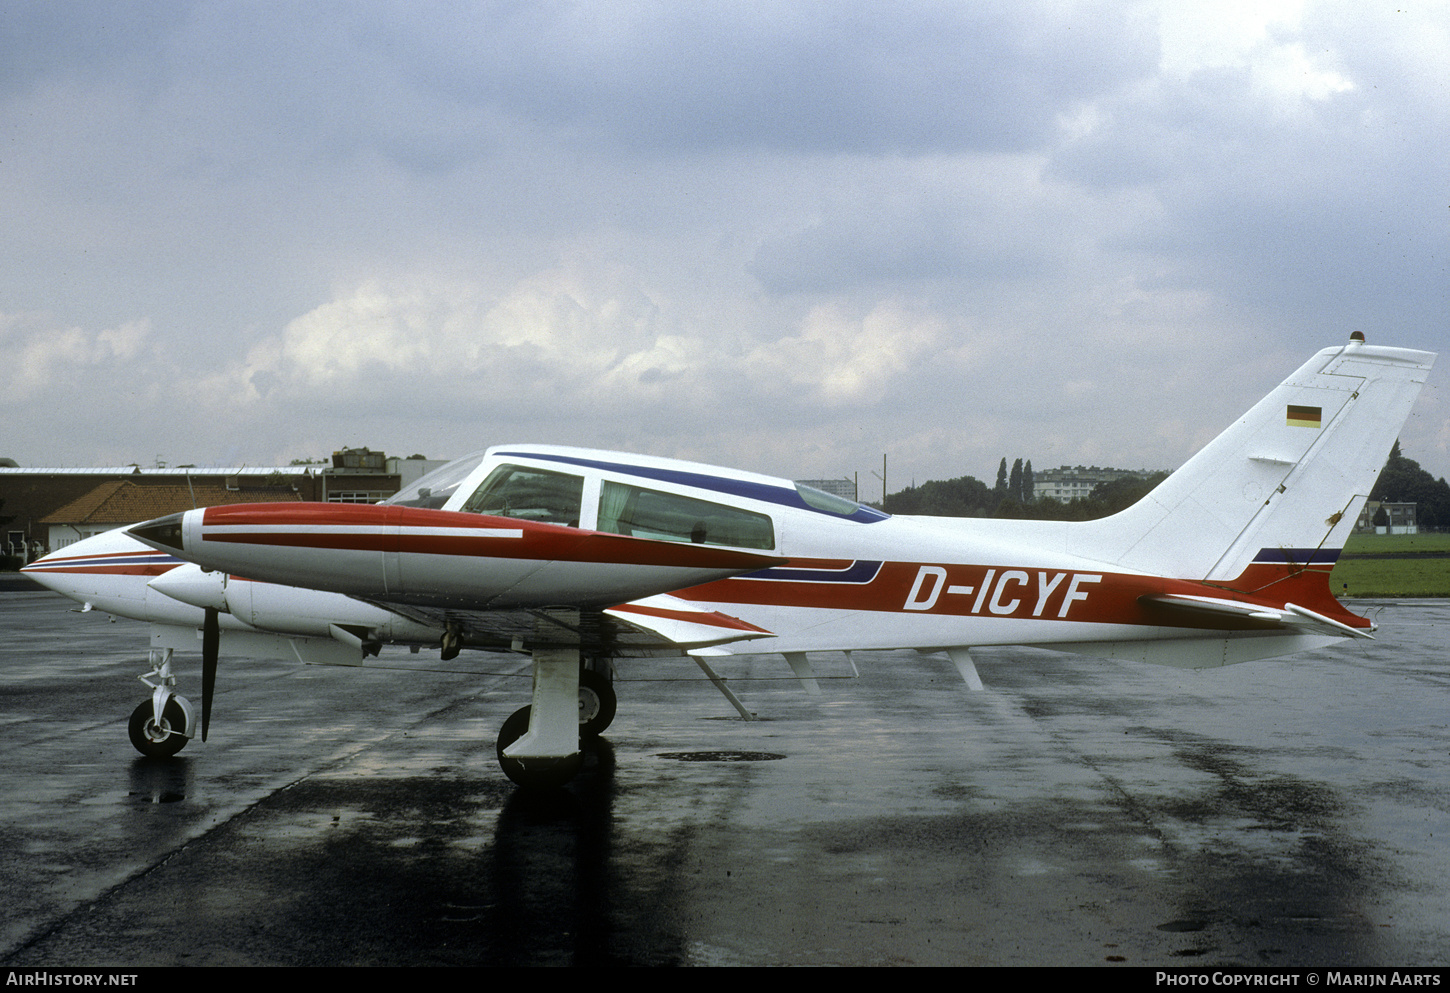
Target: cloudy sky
[(785, 236)]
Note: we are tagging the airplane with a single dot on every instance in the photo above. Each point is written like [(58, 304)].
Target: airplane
[(579, 556)]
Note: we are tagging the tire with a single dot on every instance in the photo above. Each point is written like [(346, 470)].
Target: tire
[(538, 774), (158, 742), (597, 703)]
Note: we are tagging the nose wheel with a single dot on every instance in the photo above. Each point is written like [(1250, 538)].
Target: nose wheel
[(158, 739)]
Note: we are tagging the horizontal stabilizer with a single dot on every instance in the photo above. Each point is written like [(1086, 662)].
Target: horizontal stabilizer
[(1213, 612), (1309, 620)]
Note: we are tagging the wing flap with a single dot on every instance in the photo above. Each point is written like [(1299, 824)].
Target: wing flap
[(683, 624)]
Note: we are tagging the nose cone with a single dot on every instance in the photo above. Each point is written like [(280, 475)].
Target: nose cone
[(164, 533), (40, 572), (109, 570)]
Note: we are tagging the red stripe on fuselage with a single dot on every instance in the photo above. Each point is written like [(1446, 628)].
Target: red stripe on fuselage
[(1036, 594), (105, 570), (132, 563)]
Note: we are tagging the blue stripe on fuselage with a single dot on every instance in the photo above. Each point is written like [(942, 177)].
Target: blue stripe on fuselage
[(858, 572), (719, 484), (1297, 556)]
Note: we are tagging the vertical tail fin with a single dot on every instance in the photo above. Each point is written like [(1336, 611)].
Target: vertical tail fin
[(1286, 482)]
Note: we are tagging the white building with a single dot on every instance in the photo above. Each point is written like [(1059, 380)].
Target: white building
[(1075, 482)]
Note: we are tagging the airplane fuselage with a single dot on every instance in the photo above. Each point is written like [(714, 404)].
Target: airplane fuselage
[(829, 577)]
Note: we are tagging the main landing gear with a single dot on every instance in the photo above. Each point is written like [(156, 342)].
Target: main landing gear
[(597, 703), (539, 746), (162, 725)]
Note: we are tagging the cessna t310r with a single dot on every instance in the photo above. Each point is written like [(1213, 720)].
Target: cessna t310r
[(578, 557)]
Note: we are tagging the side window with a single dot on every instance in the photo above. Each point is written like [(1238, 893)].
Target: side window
[(669, 517), (530, 494)]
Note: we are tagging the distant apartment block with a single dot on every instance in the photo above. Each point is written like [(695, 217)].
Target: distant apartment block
[(1399, 518), (1074, 482), (836, 487)]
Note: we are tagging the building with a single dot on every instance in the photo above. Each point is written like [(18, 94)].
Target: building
[(1400, 517), (1076, 482), (32, 499), (836, 487), (120, 503), (29, 495), (358, 475)]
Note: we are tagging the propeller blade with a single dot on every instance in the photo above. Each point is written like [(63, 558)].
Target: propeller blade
[(211, 637)]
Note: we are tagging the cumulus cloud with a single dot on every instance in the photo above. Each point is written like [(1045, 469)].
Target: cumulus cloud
[(838, 360), (552, 345), (40, 358), (783, 235)]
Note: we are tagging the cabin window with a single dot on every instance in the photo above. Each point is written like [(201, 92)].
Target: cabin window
[(645, 513), (529, 494)]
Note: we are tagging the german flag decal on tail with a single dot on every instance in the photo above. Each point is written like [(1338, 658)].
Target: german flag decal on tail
[(1304, 417)]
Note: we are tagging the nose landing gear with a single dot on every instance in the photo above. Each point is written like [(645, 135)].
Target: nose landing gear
[(162, 725), (159, 739)]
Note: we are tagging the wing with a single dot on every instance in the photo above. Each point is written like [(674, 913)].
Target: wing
[(656, 626)]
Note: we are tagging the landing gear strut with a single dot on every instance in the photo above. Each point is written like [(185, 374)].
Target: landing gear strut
[(596, 712), (539, 746), (597, 704), (161, 726)]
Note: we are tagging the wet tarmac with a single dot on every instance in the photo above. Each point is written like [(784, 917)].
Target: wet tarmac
[(1078, 812)]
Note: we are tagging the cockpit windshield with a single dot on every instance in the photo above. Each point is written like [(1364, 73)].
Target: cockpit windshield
[(434, 489), (829, 502)]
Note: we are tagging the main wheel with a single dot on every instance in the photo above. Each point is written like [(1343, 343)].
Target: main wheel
[(544, 773), (596, 703), (158, 741)]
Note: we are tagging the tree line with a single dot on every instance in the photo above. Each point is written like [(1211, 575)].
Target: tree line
[(1013, 496), (1401, 481)]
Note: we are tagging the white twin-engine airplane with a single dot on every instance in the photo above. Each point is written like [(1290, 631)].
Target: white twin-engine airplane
[(577, 557)]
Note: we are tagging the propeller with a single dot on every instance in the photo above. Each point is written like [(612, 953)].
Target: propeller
[(211, 637)]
